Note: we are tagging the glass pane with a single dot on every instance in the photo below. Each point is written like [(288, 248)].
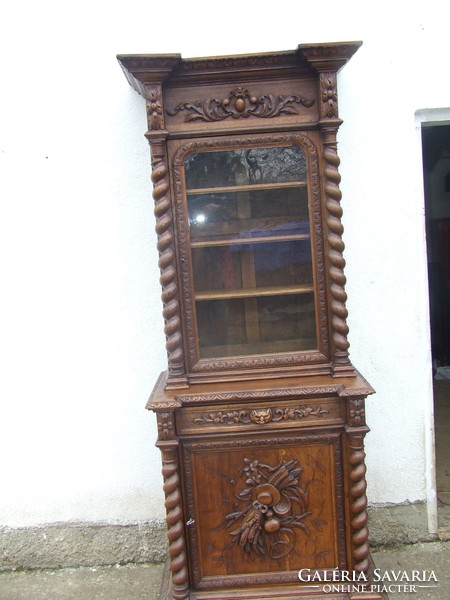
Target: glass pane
[(276, 211), (251, 251), (268, 264), (244, 167), (283, 324)]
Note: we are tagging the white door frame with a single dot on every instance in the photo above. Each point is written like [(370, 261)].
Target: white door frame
[(431, 116)]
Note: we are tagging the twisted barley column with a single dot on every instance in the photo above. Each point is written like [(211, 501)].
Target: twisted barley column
[(175, 525), (164, 230), (358, 513), (336, 247)]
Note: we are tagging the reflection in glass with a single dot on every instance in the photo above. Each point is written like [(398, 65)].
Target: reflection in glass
[(275, 211), (244, 167)]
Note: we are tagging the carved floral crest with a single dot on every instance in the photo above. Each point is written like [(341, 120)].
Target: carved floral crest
[(240, 103)]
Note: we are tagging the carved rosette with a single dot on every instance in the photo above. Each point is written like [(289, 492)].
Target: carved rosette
[(166, 425), (174, 519), (257, 395), (359, 518), (168, 279), (356, 412), (155, 113)]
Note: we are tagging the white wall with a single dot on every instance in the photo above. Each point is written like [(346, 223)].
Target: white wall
[(81, 330)]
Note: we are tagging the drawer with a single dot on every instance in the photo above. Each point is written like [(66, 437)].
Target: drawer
[(254, 415)]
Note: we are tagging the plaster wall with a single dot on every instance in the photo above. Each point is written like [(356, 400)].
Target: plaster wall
[(81, 332)]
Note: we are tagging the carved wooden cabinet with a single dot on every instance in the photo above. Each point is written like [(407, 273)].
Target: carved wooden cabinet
[(260, 414)]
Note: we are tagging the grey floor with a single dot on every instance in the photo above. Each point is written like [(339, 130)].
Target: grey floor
[(129, 582), (442, 438), (141, 582)]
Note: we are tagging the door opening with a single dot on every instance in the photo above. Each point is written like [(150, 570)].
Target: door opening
[(436, 176)]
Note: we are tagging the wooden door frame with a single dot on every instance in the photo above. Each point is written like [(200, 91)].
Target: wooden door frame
[(429, 117)]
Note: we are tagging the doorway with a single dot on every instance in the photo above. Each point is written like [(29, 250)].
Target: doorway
[(436, 177)]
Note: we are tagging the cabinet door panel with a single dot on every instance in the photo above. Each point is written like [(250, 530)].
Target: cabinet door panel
[(263, 508)]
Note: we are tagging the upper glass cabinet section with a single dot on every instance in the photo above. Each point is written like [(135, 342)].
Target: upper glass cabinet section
[(245, 167), (251, 251)]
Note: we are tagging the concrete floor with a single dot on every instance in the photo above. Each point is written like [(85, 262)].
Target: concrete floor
[(433, 556), (128, 582), (142, 582), (442, 440)]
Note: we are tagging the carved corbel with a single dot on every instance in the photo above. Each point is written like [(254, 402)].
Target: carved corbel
[(328, 106), (154, 105), (356, 412)]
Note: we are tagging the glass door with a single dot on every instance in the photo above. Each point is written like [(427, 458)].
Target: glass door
[(251, 251)]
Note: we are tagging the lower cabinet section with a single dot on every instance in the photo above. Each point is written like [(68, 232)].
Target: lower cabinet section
[(260, 509), (265, 490)]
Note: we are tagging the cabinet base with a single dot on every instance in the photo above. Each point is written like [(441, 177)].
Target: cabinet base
[(264, 593)]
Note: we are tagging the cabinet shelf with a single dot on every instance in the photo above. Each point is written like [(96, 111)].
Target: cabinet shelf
[(280, 228), (304, 288), (279, 346), (251, 240), (247, 187)]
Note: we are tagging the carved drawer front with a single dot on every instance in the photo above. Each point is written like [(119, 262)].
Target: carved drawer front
[(253, 416), (259, 510)]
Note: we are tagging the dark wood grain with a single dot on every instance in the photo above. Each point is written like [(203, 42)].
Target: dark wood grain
[(261, 414)]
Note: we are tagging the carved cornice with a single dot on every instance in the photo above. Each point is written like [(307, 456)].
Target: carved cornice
[(257, 394), (144, 69), (329, 57), (224, 63), (260, 442), (162, 405), (240, 103), (356, 392)]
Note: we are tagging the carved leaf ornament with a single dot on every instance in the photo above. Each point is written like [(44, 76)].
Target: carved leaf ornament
[(260, 416), (240, 103)]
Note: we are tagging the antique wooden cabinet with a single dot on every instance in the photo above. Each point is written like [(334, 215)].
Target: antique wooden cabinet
[(260, 414)]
